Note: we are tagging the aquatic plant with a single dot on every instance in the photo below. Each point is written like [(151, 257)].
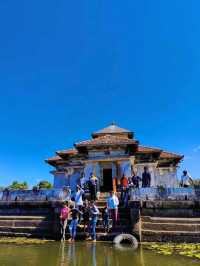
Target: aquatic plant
[(189, 250)]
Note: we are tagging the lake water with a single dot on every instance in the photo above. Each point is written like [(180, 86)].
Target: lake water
[(85, 254)]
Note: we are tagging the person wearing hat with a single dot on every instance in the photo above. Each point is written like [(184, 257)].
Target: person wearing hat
[(93, 186)]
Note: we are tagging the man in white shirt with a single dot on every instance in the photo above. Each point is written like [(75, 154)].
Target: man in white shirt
[(186, 179), (79, 197), (79, 201), (112, 203)]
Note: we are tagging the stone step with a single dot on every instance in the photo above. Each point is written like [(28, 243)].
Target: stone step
[(171, 227), (170, 236), (43, 231), (23, 234), (170, 220), (23, 229), (79, 236), (100, 236), (100, 229), (24, 212), (22, 217), (20, 222)]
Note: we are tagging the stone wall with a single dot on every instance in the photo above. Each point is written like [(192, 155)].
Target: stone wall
[(30, 218), (155, 193)]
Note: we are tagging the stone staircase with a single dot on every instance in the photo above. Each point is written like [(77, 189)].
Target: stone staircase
[(174, 229), (124, 225), (42, 220), (18, 225)]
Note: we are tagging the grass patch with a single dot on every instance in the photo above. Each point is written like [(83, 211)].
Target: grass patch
[(23, 240), (188, 250)]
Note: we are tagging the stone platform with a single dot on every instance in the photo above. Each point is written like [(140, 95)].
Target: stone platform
[(149, 221)]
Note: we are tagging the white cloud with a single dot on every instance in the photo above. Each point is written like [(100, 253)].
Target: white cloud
[(196, 149)]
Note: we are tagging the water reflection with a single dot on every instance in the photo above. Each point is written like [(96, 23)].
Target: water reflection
[(85, 254), (92, 254)]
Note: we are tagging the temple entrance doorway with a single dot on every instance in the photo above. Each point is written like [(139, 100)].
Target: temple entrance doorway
[(107, 180)]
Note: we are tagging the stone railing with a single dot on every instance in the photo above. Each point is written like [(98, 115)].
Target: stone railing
[(30, 195), (152, 193), (155, 193)]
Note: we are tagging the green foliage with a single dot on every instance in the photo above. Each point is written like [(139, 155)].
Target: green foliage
[(18, 185), (189, 250), (44, 184), (196, 183)]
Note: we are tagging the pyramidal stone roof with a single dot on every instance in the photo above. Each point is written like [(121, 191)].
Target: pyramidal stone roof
[(112, 129), (106, 140)]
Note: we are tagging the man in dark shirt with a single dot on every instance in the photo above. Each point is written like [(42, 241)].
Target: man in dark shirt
[(146, 178), (135, 180), (74, 222), (94, 211)]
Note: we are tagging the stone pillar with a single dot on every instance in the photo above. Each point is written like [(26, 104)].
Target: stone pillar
[(125, 168), (114, 169), (97, 170), (132, 162), (88, 170), (98, 175), (60, 179)]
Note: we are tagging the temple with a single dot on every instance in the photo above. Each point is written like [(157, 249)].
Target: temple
[(112, 152)]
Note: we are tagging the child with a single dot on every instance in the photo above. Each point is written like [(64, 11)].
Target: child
[(105, 218), (64, 214)]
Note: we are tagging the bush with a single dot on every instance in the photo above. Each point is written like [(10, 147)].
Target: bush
[(18, 185), (196, 183), (45, 184)]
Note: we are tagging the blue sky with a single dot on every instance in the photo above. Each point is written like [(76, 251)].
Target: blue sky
[(68, 68)]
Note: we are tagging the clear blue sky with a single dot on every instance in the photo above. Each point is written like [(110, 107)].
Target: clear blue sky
[(68, 68)]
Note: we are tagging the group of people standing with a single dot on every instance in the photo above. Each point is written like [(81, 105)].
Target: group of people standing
[(84, 214)]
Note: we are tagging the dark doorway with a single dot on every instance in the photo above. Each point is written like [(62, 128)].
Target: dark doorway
[(107, 180)]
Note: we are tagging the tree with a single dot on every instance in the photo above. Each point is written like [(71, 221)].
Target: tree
[(45, 184), (196, 182), (18, 185)]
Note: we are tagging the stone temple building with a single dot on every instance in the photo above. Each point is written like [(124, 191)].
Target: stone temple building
[(112, 152)]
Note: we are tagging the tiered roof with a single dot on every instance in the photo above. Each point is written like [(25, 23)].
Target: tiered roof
[(112, 136), (106, 140), (67, 152), (113, 129)]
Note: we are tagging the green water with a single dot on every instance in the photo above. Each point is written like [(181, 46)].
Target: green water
[(84, 254)]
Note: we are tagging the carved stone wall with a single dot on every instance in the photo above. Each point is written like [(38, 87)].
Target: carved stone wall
[(60, 180), (167, 177)]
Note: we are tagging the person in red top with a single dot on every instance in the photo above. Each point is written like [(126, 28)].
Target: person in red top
[(64, 215)]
